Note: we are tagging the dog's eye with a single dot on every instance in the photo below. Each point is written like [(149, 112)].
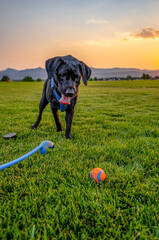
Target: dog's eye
[(63, 75)]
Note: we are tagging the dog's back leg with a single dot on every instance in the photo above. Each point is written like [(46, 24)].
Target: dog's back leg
[(42, 105)]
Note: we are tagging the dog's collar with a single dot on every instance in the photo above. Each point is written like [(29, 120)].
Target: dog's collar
[(63, 107)]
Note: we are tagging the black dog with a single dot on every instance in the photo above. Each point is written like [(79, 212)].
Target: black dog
[(61, 88)]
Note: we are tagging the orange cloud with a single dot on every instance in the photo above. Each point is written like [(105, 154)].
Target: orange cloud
[(147, 32)]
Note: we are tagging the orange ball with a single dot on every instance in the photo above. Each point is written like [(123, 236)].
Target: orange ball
[(98, 174)]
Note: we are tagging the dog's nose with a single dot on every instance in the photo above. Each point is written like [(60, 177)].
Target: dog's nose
[(69, 92)]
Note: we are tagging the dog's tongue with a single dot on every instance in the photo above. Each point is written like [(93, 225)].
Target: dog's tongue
[(64, 100)]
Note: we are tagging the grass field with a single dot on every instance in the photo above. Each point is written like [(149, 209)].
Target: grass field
[(51, 196)]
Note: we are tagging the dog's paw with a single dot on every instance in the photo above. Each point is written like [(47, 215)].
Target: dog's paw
[(68, 136), (59, 129), (34, 127)]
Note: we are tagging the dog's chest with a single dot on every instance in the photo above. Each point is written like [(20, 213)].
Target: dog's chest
[(50, 96)]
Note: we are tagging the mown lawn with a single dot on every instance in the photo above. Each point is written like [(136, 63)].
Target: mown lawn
[(51, 196)]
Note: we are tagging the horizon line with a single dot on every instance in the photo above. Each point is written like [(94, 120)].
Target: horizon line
[(90, 67)]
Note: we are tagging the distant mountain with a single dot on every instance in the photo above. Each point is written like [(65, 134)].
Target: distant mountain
[(122, 72), (14, 74), (35, 73)]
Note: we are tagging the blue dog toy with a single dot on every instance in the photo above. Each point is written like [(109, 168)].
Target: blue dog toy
[(42, 149)]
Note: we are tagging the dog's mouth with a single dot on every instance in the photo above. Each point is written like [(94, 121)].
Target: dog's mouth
[(64, 100)]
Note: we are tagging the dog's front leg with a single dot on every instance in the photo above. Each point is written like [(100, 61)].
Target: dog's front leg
[(56, 117), (69, 118)]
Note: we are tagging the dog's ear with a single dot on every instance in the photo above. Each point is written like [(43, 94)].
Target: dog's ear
[(51, 66), (85, 71)]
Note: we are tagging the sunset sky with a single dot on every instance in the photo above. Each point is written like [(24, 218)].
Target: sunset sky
[(102, 33)]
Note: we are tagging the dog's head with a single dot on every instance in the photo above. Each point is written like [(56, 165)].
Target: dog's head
[(67, 72)]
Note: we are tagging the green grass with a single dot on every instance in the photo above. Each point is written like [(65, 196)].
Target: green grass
[(51, 196)]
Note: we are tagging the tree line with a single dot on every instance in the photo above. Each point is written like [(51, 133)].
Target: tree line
[(129, 77), (25, 79)]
